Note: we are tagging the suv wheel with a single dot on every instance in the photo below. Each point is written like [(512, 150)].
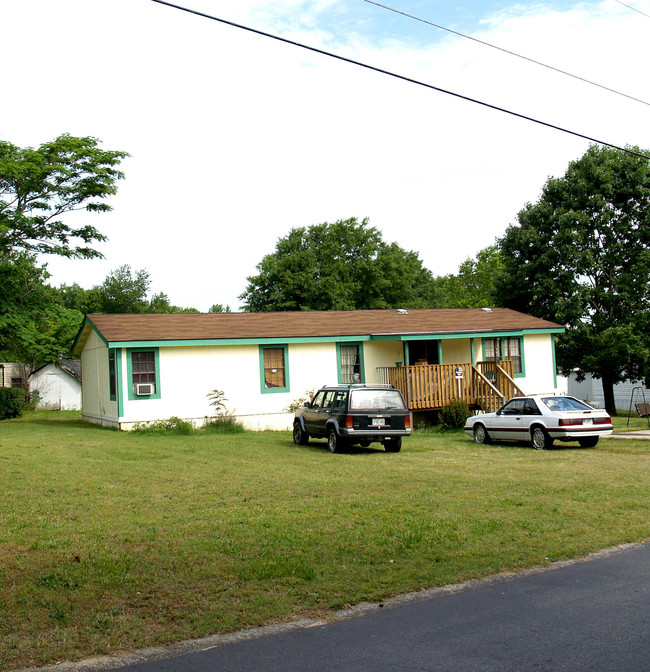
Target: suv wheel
[(393, 445), (299, 436), (334, 442)]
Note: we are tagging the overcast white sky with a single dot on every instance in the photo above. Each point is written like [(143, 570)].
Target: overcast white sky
[(235, 138)]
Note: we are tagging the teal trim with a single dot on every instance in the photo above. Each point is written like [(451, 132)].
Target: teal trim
[(129, 373), (523, 359), (322, 339), (473, 354), (87, 323), (287, 385), (439, 351), (407, 354), (521, 352), (118, 382), (361, 362), (111, 355)]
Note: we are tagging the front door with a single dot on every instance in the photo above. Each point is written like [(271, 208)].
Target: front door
[(423, 352)]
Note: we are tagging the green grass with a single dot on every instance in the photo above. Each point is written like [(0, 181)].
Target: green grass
[(635, 423), (111, 541)]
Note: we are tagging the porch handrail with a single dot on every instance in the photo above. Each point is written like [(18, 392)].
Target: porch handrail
[(489, 399), (517, 390), (433, 386)]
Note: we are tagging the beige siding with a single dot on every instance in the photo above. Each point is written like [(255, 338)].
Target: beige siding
[(95, 394)]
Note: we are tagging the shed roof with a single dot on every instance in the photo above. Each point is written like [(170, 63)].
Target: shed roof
[(308, 324)]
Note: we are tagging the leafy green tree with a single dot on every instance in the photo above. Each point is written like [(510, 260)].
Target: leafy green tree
[(34, 327), (86, 301), (341, 266), (474, 285), (580, 256), (39, 186), (123, 291), (219, 308)]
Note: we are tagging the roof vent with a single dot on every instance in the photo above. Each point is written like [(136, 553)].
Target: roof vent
[(486, 310), (402, 311)]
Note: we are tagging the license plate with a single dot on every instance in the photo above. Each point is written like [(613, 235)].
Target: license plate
[(588, 421), (378, 422)]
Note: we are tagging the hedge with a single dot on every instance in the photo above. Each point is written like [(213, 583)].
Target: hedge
[(12, 401)]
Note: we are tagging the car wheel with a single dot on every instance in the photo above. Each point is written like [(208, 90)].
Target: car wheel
[(365, 443), (299, 435), (334, 442), (588, 441), (540, 439), (480, 434), (393, 445)]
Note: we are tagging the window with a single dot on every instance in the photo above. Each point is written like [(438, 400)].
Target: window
[(275, 374), (112, 375), (497, 349), (143, 368), (350, 363), (16, 382)]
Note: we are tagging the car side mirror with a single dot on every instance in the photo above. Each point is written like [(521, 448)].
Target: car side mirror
[(307, 404)]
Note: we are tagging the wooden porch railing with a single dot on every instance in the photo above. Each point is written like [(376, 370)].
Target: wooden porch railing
[(486, 385)]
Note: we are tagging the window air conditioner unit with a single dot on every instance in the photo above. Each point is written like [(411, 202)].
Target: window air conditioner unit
[(144, 389)]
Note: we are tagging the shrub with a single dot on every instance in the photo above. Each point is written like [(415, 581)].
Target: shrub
[(224, 423), (300, 401), (12, 402), (455, 414), (173, 425)]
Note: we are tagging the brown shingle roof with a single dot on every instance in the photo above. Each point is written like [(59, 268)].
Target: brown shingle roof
[(306, 324)]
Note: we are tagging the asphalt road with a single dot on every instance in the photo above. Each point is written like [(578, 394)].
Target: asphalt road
[(590, 615)]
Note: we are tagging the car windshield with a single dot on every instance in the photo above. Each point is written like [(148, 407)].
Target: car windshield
[(376, 399), (565, 404)]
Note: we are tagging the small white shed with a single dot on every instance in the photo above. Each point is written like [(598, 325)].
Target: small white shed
[(58, 385)]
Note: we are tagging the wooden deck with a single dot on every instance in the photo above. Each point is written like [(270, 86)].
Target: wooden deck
[(429, 387)]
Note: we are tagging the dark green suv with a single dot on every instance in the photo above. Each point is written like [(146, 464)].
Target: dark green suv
[(347, 414)]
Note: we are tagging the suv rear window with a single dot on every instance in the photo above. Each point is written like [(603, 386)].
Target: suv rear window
[(376, 399)]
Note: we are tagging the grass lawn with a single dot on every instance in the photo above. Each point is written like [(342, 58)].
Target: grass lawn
[(113, 541)]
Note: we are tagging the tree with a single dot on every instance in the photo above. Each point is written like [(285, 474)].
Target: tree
[(34, 327), (39, 186), (581, 257), (341, 266), (123, 291), (474, 285)]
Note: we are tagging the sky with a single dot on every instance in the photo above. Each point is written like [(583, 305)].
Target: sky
[(235, 138)]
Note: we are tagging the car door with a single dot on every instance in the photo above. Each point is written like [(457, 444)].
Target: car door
[(313, 415), (319, 413), (509, 424)]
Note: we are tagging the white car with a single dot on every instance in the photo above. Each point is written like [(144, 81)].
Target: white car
[(541, 419)]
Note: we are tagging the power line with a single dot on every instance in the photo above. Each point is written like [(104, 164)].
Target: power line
[(507, 51), (403, 78), (634, 9)]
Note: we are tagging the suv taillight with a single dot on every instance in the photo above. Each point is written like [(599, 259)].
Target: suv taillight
[(349, 422), (407, 422)]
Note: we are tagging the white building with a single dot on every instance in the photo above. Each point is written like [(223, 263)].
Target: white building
[(139, 368)]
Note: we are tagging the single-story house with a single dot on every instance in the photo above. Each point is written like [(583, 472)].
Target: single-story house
[(140, 368), (58, 385)]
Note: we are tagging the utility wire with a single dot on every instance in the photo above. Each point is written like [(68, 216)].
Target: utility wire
[(397, 76), (634, 9), (507, 51)]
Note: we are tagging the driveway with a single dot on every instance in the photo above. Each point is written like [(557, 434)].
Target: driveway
[(593, 614)]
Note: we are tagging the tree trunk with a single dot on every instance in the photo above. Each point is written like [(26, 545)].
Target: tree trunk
[(608, 393)]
